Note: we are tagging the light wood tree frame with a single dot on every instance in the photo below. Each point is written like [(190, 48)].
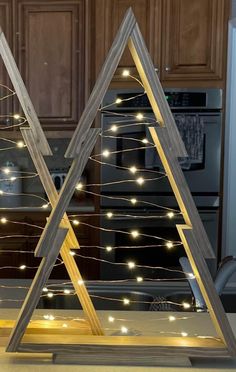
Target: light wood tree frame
[(58, 236)]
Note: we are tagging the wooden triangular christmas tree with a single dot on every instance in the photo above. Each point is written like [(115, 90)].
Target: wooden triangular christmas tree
[(169, 146)]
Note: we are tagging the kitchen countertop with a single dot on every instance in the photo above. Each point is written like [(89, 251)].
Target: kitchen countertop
[(157, 322)]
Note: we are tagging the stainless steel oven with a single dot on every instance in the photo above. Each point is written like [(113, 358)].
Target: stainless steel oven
[(198, 115)]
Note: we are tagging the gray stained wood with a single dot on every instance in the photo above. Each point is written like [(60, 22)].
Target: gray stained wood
[(35, 291), (23, 96), (66, 193), (102, 83), (68, 259), (206, 285)]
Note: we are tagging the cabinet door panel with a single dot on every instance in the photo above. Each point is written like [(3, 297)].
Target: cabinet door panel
[(6, 104), (50, 58), (109, 17), (192, 38)]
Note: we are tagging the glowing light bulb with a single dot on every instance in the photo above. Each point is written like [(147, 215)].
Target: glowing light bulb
[(186, 305), (134, 233), (79, 186), (124, 329), (126, 301), (67, 291), (46, 316), (131, 265), (184, 334), (51, 317), (64, 325), (16, 116), (45, 289), (111, 319), (44, 206), (72, 253), (170, 214), (20, 144), (12, 178), (50, 294), (139, 279), (6, 170), (109, 214), (22, 267), (133, 169), (106, 153), (125, 73), (191, 276), (3, 220), (1, 192), (172, 318), (75, 222), (80, 282), (140, 181), (108, 248), (133, 201), (139, 116), (144, 140), (114, 128), (169, 245), (118, 100)]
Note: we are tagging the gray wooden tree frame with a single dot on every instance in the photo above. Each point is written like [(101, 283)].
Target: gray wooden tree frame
[(193, 236)]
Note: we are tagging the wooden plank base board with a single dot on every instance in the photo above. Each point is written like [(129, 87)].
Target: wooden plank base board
[(115, 358)]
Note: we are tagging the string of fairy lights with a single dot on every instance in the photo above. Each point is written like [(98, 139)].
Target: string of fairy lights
[(102, 159)]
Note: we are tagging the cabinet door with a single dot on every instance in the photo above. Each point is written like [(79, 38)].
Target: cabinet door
[(50, 55), (194, 39), (6, 103), (109, 16)]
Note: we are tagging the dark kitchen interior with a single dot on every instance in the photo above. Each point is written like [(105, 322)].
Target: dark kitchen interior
[(123, 211)]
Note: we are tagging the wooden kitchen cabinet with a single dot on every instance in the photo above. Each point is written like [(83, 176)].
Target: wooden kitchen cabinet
[(194, 39), (187, 40)]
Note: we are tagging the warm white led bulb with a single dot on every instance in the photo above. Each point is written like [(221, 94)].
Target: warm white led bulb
[(106, 153), (131, 265), (80, 282), (111, 319), (124, 329), (72, 253), (44, 206), (45, 289), (20, 144), (79, 186), (139, 279), (3, 220), (118, 100), (50, 294), (184, 334), (108, 248), (114, 128), (186, 305), (172, 318), (12, 178), (144, 140), (75, 222), (170, 214), (67, 291), (191, 276), (109, 214), (6, 170), (133, 201), (133, 169), (125, 73), (134, 233), (22, 267), (140, 181), (169, 245), (1, 192), (126, 301), (46, 316), (51, 317), (139, 116), (64, 325), (16, 116)]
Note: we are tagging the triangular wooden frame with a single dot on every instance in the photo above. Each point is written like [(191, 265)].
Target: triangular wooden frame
[(169, 146)]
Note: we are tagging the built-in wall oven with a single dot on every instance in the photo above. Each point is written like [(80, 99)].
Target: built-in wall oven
[(198, 116)]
